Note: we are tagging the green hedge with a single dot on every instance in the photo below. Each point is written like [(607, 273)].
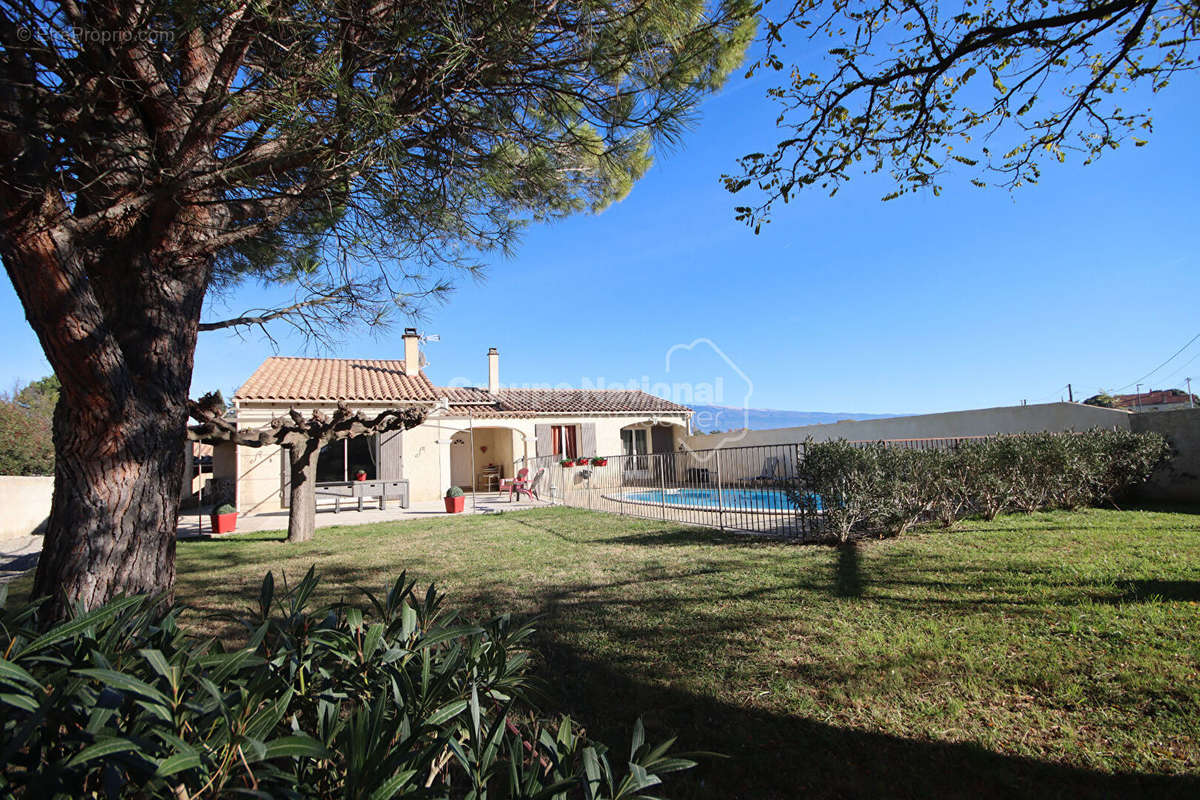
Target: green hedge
[(886, 489), (401, 700)]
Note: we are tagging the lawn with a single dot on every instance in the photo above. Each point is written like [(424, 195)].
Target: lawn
[(1052, 654)]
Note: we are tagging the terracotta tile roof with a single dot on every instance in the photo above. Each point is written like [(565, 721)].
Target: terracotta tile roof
[(1157, 397), (322, 379), (355, 380), (528, 402)]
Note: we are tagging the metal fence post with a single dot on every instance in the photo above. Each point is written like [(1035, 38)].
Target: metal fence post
[(662, 484), (720, 495)]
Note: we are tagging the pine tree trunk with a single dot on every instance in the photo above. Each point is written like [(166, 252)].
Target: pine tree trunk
[(119, 327), (302, 512), (112, 520)]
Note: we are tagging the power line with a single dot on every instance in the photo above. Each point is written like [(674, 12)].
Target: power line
[(1160, 366), (1050, 397), (1181, 369)]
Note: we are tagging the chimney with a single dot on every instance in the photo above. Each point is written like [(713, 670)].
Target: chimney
[(412, 352), (493, 370)]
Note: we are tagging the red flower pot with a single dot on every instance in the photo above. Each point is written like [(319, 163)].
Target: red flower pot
[(583, 462), (224, 523), (455, 505), (599, 462), (565, 463)]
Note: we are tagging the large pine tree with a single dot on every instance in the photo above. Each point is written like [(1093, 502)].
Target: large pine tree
[(152, 153)]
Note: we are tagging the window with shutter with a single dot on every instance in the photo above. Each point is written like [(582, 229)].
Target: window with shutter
[(564, 440)]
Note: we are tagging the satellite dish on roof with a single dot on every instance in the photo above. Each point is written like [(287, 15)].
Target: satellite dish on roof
[(431, 337)]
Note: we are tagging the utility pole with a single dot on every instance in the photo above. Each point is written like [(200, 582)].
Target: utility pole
[(1191, 399), (1070, 394), (1137, 399)]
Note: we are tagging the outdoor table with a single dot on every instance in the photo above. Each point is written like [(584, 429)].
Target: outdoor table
[(362, 490)]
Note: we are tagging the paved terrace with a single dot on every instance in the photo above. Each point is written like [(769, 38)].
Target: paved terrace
[(194, 524), (20, 555)]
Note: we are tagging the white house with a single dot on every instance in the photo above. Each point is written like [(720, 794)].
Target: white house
[(466, 431)]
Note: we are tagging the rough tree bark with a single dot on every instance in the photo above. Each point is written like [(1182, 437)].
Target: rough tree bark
[(302, 511), (301, 439), (123, 351)]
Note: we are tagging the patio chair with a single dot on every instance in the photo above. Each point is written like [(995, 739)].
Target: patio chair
[(530, 489), (510, 484), (769, 471)]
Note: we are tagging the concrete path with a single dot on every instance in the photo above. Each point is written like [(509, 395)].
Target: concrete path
[(18, 555)]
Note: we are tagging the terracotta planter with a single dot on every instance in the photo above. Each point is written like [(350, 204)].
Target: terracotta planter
[(224, 523), (583, 462), (455, 505), (599, 462), (564, 464)]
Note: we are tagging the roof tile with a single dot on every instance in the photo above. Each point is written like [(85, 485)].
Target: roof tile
[(326, 379), (357, 380), (525, 402)]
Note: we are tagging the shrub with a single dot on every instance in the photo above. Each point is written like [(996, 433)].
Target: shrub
[(26, 428), (906, 486), (889, 489), (403, 700), (225, 508), (846, 478), (948, 484), (454, 491), (1126, 459)]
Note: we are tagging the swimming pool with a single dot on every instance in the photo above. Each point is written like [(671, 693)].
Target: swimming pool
[(765, 500)]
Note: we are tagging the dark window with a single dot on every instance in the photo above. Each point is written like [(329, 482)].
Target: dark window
[(341, 461), (563, 438)]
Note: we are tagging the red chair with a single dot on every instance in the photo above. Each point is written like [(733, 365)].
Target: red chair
[(528, 488), (511, 484)]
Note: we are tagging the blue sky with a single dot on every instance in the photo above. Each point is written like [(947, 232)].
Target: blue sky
[(975, 298)]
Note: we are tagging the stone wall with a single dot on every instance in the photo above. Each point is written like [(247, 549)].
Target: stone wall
[(1053, 417), (25, 502)]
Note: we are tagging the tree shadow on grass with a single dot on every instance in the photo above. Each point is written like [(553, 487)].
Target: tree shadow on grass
[(774, 756), (687, 537), (1151, 591), (848, 580)]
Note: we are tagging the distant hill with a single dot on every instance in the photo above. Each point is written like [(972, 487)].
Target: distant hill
[(723, 418)]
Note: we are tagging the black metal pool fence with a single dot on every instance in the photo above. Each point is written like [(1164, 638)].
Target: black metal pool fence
[(754, 488)]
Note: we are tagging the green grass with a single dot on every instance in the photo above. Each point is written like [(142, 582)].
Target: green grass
[(1053, 654)]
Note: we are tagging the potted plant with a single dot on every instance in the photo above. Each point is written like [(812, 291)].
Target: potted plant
[(224, 518), (455, 501), (582, 462), (361, 475), (599, 462), (567, 462)]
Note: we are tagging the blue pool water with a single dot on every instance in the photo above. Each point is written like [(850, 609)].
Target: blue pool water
[(740, 499)]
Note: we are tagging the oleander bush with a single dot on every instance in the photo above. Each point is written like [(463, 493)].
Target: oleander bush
[(847, 480), (884, 489), (401, 700)]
